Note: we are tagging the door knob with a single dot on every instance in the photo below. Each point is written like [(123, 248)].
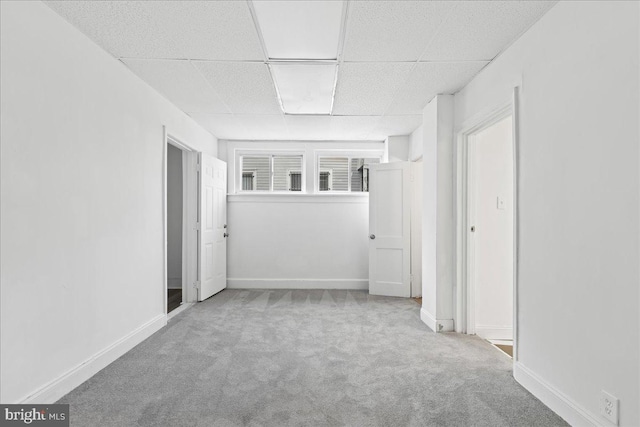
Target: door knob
[(225, 235), (224, 226), (372, 236)]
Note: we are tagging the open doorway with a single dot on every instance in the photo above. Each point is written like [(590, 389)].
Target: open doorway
[(487, 224), (175, 225), (491, 240), (181, 226)]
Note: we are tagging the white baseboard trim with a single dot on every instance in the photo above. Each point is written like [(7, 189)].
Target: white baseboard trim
[(489, 332), (71, 379), (556, 400), (345, 284), (436, 325)]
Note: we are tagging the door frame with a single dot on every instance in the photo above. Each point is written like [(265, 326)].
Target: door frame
[(465, 295), (190, 219), (416, 219)]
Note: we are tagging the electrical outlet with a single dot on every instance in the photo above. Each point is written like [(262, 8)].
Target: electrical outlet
[(609, 407)]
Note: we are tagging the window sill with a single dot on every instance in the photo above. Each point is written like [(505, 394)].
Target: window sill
[(298, 198)]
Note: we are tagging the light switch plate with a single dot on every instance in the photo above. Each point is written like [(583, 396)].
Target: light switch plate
[(500, 203)]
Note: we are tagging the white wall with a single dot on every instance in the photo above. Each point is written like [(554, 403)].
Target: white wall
[(578, 276), (493, 278), (397, 148), (297, 240), (174, 217), (81, 215), (429, 226), (301, 241), (416, 144), (438, 224)]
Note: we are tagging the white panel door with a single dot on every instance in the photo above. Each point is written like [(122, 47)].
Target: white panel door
[(213, 226), (491, 159), (389, 230)]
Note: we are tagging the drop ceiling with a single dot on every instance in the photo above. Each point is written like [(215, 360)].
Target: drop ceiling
[(304, 70)]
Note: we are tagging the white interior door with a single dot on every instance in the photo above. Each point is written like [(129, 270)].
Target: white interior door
[(491, 242), (213, 226), (389, 230)]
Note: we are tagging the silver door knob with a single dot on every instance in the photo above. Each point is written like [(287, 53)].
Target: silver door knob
[(225, 235), (372, 236)]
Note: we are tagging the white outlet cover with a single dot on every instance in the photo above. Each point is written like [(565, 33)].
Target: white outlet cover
[(500, 203), (609, 407)]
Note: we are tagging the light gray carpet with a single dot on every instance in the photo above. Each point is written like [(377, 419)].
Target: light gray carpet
[(314, 358)]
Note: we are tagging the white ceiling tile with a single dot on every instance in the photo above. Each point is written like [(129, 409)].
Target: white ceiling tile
[(261, 127), (352, 127), (223, 126), (396, 125), (479, 30), (300, 29), (392, 30), (227, 75), (180, 83), (250, 127), (246, 87), (328, 128), (307, 127), (213, 30), (368, 88), (429, 79)]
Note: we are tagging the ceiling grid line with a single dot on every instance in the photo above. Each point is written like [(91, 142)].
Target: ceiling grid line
[(265, 54), (211, 86), (343, 36), (416, 62)]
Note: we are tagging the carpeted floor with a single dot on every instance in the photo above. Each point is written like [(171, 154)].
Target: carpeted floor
[(313, 358)]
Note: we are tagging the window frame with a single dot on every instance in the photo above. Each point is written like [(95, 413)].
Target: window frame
[(271, 154)]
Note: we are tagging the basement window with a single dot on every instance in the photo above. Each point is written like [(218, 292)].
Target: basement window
[(271, 173), (359, 173), (344, 173), (256, 173)]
